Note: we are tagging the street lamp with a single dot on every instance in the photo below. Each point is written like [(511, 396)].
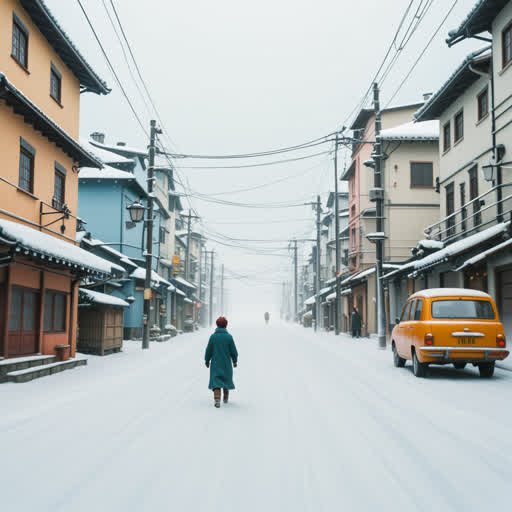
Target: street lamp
[(136, 210)]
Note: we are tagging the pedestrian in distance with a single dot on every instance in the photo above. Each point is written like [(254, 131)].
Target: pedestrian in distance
[(357, 323), (220, 357), (267, 317)]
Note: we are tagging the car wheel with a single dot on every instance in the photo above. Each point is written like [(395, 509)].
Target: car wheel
[(398, 361), (419, 369), (486, 370), (459, 366)]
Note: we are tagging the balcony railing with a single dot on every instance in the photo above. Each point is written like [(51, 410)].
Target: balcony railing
[(476, 215)]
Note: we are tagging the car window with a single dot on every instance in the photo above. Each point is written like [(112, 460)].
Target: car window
[(405, 313), (419, 307), (463, 308), (411, 311)]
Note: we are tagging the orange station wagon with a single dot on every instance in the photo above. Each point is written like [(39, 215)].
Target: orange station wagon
[(449, 326)]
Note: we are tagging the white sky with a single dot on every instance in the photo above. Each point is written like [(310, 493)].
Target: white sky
[(234, 76)]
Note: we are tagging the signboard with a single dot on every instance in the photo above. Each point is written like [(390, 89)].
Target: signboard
[(148, 295), (176, 263)]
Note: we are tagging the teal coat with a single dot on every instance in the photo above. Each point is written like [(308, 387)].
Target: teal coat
[(220, 352)]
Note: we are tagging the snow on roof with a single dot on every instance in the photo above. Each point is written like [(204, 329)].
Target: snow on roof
[(94, 242), (369, 271), (405, 266), (450, 292), (107, 173), (310, 301), (423, 130), (140, 273), (121, 149), (431, 244), (481, 256), (461, 246), (105, 156), (103, 298), (176, 290), (182, 281), (53, 248)]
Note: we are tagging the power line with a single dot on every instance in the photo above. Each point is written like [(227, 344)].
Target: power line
[(420, 56), (112, 69)]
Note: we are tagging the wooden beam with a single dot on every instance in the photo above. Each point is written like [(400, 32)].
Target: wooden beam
[(42, 281), (6, 312)]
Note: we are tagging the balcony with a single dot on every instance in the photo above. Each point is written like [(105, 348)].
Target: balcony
[(480, 213)]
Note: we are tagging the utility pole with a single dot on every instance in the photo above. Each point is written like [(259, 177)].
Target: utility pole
[(187, 253), (201, 301), (337, 317), (210, 309), (318, 260), (378, 196), (149, 237), (295, 282), (222, 290)]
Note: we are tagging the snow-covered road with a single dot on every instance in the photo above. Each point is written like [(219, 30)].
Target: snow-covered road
[(317, 423)]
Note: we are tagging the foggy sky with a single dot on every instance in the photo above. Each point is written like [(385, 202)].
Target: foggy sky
[(234, 76)]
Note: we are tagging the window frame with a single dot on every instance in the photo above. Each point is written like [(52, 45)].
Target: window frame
[(30, 155), (483, 94), (54, 72), (504, 32), (23, 31), (447, 141), (450, 222), (413, 162), (455, 117), (58, 203), (53, 294)]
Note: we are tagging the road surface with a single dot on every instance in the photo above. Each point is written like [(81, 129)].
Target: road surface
[(317, 423)]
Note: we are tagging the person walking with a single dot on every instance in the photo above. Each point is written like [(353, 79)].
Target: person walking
[(267, 317), (220, 357), (357, 323)]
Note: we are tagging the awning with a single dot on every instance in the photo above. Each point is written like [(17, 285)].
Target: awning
[(31, 242), (459, 247), (188, 301), (332, 296), (310, 301), (177, 291), (183, 282), (94, 297), (483, 255), (140, 273), (41, 122)]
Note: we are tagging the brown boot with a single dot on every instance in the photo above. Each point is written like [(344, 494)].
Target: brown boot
[(226, 395), (216, 397)]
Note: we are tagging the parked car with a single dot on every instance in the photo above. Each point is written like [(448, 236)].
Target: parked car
[(449, 326)]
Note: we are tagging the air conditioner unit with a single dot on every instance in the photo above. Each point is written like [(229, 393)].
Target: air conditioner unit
[(376, 194)]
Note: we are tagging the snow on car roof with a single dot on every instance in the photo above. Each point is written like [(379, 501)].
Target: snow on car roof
[(451, 292)]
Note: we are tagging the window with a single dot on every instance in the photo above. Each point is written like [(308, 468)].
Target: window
[(405, 312), (483, 104), (353, 238), (459, 126), (473, 194), (162, 235), (463, 211), (55, 84), (22, 316), (19, 42), (447, 136), (419, 307), (411, 310), (463, 308), (26, 172), (58, 190), (54, 312), (506, 39), (422, 174), (450, 208)]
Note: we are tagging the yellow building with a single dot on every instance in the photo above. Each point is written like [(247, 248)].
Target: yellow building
[(41, 77)]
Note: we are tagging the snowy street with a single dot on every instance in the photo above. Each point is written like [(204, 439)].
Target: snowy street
[(317, 423)]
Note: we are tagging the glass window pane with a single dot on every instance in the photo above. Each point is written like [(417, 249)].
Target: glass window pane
[(15, 313), (477, 309), (419, 307), (60, 312), (29, 311), (48, 311), (411, 310)]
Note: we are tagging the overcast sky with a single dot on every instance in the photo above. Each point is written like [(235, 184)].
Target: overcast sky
[(234, 76)]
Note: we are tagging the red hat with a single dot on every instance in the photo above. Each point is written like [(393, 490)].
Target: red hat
[(222, 322)]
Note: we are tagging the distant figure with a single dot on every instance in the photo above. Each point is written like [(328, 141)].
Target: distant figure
[(267, 317), (221, 352), (357, 323)]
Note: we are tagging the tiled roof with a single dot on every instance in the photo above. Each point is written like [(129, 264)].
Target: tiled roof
[(62, 44)]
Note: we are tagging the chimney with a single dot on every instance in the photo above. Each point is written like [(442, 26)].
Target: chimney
[(427, 96), (121, 143), (98, 137)]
